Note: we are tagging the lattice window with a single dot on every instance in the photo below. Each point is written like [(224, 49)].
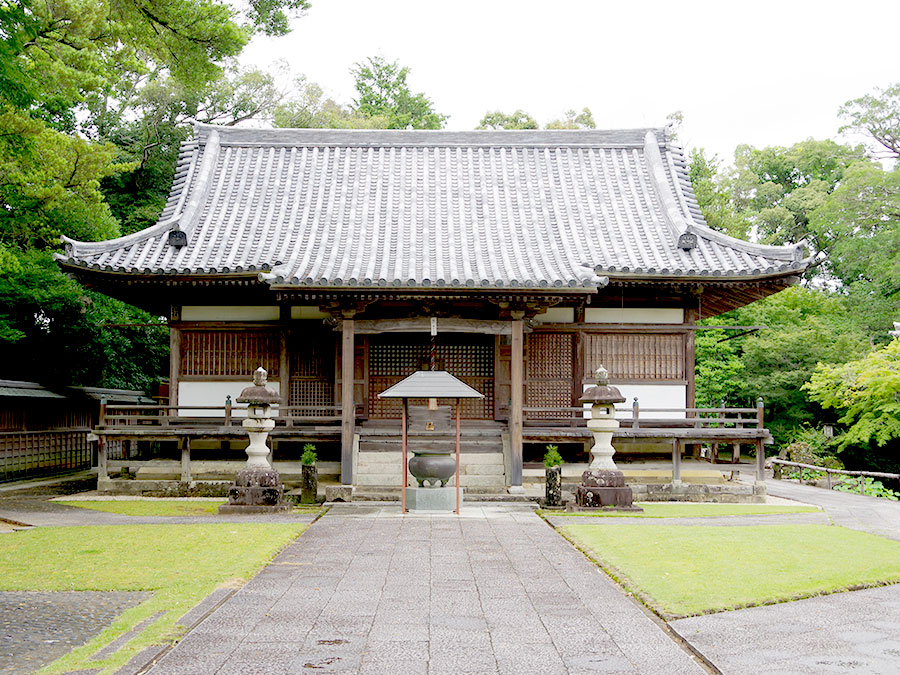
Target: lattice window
[(312, 369), (229, 353), (469, 358), (549, 373), (636, 357)]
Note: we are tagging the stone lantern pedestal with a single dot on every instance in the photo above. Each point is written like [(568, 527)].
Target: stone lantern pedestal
[(257, 487), (603, 485)]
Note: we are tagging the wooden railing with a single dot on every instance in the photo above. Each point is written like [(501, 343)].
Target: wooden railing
[(653, 418), (228, 415), (778, 463)]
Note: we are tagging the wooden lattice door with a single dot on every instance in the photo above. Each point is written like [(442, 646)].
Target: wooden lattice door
[(549, 365), (312, 370), (468, 357)]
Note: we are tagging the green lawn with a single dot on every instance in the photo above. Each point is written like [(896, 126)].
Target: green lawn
[(690, 510), (155, 507), (164, 507), (181, 564), (682, 570)]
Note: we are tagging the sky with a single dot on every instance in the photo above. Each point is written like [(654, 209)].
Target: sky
[(762, 72)]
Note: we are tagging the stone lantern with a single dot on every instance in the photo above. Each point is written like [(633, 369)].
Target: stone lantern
[(603, 484), (257, 487)]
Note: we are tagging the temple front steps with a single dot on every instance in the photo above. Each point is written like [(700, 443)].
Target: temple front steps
[(379, 461)]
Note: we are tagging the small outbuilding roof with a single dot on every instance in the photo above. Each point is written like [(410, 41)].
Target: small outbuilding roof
[(432, 209), (430, 384)]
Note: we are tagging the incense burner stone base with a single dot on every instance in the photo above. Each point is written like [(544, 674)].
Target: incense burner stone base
[(432, 498)]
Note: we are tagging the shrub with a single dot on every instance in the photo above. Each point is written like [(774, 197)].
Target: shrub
[(552, 457), (309, 455), (872, 487)]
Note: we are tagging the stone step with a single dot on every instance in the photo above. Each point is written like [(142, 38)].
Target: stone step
[(466, 446), (395, 457)]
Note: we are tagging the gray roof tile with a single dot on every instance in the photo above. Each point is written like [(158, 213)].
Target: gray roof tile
[(526, 209)]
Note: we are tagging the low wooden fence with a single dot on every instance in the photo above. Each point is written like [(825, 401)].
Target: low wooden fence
[(26, 454), (778, 463), (635, 417), (133, 417)]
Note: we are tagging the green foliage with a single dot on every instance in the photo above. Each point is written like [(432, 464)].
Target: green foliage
[(878, 115), (719, 369), (309, 455), (51, 330), (866, 391), (552, 457), (777, 188), (871, 487), (713, 192), (499, 120), (384, 93), (574, 120), (309, 108)]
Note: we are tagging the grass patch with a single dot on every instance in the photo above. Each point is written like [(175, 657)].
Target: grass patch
[(155, 507), (682, 570), (691, 510), (180, 564)]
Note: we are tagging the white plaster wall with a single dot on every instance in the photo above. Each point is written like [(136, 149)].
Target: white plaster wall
[(667, 315), (308, 313), (211, 393), (650, 396), (229, 313), (558, 315)]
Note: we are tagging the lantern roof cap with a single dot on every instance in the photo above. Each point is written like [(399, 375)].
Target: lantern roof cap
[(259, 393), (603, 391)]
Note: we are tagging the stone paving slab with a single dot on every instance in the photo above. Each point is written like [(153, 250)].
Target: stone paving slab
[(367, 590), (858, 631), (39, 627)]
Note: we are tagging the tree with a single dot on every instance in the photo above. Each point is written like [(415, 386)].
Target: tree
[(309, 108), (383, 92), (713, 192), (777, 188), (573, 120), (70, 71), (867, 393), (499, 120), (878, 115)]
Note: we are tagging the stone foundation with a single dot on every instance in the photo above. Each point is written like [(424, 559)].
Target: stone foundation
[(734, 493), (432, 499), (256, 489)]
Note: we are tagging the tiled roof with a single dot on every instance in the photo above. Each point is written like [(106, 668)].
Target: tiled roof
[(509, 209)]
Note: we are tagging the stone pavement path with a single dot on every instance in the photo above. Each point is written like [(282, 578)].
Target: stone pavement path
[(857, 631), (366, 590), (37, 628)]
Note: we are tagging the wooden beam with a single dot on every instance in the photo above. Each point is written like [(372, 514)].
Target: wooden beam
[(423, 325), (516, 402), (347, 408), (284, 367)]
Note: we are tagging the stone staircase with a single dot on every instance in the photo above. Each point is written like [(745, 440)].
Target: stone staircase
[(379, 458)]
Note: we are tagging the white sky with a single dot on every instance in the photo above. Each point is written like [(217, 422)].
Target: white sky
[(763, 72)]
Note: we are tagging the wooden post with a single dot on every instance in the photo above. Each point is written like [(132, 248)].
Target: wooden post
[(174, 362), (284, 369), (735, 453), (676, 460), (760, 413), (516, 401), (635, 414), (102, 460), (348, 411), (760, 460), (228, 410), (457, 456), (185, 443), (403, 447)]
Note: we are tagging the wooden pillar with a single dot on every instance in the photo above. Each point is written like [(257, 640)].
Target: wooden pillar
[(284, 366), (102, 459), (676, 461), (735, 453), (174, 362), (517, 358), (761, 463), (348, 411), (185, 443)]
